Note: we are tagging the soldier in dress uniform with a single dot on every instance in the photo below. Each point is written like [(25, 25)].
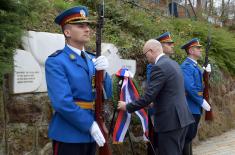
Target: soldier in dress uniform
[(193, 88), (167, 46), (167, 43), (69, 75)]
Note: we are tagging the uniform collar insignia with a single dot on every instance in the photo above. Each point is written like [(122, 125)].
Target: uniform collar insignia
[(72, 56)]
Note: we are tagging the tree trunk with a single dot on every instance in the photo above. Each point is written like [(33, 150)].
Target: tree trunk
[(224, 11), (211, 7), (199, 8)]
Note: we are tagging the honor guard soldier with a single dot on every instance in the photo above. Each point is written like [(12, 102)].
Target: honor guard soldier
[(69, 75), (167, 43), (193, 88)]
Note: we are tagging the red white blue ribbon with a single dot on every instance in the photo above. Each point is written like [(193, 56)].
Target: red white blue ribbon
[(128, 94)]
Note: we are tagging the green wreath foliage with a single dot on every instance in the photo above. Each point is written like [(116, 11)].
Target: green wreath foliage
[(116, 87), (116, 93)]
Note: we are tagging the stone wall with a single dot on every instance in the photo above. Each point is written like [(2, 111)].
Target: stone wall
[(24, 122)]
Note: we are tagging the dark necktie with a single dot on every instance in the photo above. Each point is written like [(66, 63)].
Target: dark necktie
[(83, 55)]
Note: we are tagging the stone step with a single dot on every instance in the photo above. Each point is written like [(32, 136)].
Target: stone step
[(220, 145)]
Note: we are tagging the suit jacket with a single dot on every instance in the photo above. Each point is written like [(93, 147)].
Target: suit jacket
[(193, 85), (69, 79), (166, 90)]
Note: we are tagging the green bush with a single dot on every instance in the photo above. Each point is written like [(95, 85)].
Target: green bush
[(15, 17)]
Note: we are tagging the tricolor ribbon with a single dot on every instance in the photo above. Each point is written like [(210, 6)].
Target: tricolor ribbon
[(128, 94)]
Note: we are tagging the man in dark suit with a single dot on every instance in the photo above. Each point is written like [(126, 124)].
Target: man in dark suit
[(166, 91)]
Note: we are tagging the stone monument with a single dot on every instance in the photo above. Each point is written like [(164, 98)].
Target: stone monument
[(29, 64)]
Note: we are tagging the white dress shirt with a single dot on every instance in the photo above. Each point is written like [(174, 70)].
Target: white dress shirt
[(158, 57), (78, 51), (193, 60)]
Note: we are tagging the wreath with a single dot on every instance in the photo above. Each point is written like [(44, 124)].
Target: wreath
[(117, 84)]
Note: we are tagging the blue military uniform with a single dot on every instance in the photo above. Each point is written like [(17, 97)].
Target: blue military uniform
[(194, 93), (68, 75), (148, 72), (193, 85), (70, 81), (193, 80)]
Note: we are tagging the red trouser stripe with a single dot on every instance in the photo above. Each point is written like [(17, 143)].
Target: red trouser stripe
[(56, 148)]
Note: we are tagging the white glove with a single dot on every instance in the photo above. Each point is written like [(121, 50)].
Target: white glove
[(97, 134), (207, 68), (101, 63), (205, 105)]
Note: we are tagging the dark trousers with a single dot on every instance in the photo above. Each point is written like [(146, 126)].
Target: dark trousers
[(192, 132), (152, 145), (188, 149), (172, 142), (60, 148)]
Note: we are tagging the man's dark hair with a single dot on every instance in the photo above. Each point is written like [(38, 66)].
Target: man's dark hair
[(66, 26), (187, 51)]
